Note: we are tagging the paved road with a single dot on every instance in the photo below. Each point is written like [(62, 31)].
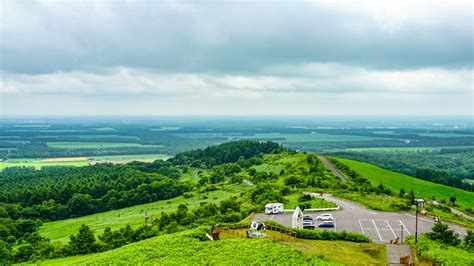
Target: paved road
[(333, 168), (381, 227)]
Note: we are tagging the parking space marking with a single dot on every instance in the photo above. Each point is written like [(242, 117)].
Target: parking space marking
[(395, 235), (377, 230), (404, 227), (334, 221), (361, 228)]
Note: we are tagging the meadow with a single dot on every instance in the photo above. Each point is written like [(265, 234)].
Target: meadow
[(39, 164), (405, 149), (184, 249), (134, 216), (396, 181), (96, 145), (80, 161)]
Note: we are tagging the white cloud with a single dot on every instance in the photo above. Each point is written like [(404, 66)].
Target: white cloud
[(314, 78)]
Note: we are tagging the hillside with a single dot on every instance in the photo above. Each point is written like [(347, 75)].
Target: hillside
[(134, 216), (396, 181), (185, 249)]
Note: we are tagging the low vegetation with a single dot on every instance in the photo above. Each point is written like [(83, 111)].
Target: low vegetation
[(188, 248), (421, 188), (443, 246)]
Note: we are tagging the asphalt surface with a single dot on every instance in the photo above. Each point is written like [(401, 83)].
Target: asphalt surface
[(381, 227), (333, 168)]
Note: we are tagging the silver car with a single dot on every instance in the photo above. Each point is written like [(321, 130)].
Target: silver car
[(325, 217)]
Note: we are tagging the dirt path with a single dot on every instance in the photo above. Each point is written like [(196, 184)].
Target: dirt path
[(462, 214), (333, 168)]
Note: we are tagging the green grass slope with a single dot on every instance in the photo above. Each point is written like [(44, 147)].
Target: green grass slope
[(134, 216), (396, 181), (184, 249)]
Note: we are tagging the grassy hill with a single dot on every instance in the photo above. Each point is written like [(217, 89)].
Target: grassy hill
[(396, 181), (134, 216), (184, 249)]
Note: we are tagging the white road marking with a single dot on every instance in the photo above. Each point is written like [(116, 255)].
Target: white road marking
[(361, 228), (378, 233), (420, 218), (404, 227), (391, 228), (334, 221)]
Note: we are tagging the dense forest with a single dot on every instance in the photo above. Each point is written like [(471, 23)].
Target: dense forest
[(63, 192), (229, 152)]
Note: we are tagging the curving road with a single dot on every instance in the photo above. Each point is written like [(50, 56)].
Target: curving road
[(333, 168)]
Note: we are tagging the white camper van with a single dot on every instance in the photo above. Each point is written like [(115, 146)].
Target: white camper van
[(274, 208)]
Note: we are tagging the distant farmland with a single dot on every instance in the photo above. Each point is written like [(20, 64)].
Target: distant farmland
[(96, 145)]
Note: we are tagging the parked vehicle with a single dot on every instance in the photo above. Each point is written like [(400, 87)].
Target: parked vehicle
[(328, 224), (274, 208), (325, 217), (308, 222)]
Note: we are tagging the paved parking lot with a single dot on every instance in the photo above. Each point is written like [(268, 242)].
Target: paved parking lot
[(381, 227)]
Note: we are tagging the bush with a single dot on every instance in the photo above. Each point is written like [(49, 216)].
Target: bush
[(442, 234), (440, 253), (331, 235)]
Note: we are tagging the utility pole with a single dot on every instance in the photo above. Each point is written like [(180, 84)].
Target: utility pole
[(418, 203), (416, 224)]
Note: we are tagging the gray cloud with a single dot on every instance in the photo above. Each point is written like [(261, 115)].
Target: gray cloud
[(203, 36), (208, 57)]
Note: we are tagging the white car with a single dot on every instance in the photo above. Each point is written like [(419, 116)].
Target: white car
[(325, 217)]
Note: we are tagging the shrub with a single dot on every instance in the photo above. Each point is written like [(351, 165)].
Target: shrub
[(331, 235), (440, 253)]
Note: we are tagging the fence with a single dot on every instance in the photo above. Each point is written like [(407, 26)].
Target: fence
[(234, 230)]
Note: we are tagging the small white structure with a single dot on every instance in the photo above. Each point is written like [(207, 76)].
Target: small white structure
[(274, 208), (297, 218)]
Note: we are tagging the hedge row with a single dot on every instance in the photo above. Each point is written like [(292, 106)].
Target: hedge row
[(317, 234), (331, 235)]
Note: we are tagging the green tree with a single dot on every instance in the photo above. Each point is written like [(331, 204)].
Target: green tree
[(83, 242), (442, 234), (452, 200), (5, 253), (469, 241)]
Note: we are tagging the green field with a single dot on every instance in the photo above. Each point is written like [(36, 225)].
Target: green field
[(315, 202), (405, 149), (134, 216), (93, 137), (39, 164), (314, 137), (96, 145), (182, 249), (396, 181), (135, 157), (445, 135)]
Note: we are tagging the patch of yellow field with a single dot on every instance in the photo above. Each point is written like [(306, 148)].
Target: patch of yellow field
[(66, 159)]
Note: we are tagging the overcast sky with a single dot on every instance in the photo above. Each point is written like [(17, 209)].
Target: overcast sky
[(239, 58)]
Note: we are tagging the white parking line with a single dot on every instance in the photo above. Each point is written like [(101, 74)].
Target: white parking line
[(390, 228), (404, 227), (334, 221), (361, 228), (377, 230), (420, 218)]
